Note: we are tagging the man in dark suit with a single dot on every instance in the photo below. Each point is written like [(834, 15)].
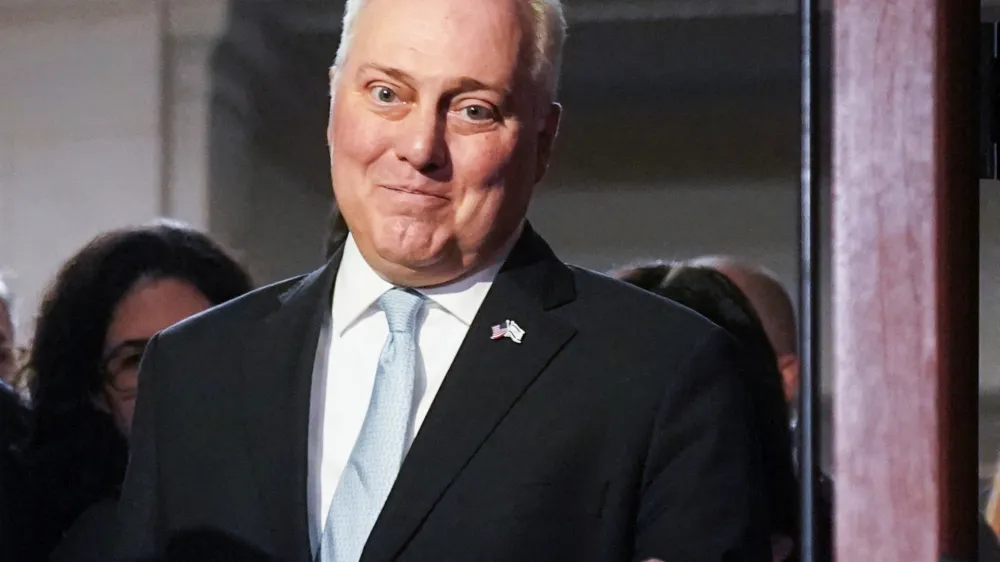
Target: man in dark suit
[(444, 389)]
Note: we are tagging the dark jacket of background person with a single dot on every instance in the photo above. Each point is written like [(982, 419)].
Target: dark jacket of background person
[(13, 430), (713, 295)]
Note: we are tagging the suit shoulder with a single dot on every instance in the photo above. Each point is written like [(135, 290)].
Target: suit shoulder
[(615, 302), (238, 313), (644, 346)]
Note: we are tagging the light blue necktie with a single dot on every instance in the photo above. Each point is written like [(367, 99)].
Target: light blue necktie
[(378, 452)]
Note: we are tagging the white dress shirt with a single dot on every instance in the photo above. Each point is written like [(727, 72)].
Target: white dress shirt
[(351, 341)]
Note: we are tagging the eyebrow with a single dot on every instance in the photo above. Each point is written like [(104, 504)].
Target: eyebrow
[(464, 84), (388, 71), (471, 84)]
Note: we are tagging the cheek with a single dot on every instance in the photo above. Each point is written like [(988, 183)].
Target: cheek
[(483, 167), (123, 410), (361, 140), (347, 158), (487, 175)]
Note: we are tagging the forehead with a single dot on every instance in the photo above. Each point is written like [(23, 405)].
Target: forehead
[(154, 305), (482, 39)]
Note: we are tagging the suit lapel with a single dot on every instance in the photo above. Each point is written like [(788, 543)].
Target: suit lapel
[(485, 380), (277, 367)]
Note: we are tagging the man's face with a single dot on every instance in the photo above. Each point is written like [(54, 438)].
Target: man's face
[(437, 134)]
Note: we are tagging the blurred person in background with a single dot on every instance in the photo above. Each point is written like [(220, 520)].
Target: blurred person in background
[(989, 523), (773, 305), (92, 327), (13, 430), (992, 512), (13, 423), (8, 357), (714, 296)]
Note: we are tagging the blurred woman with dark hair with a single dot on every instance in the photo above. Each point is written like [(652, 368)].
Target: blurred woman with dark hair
[(13, 427), (715, 297), (92, 327), (8, 355)]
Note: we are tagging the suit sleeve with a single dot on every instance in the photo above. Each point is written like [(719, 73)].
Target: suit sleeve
[(702, 497), (138, 525)]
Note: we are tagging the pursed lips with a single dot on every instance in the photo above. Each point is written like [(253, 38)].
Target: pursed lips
[(416, 191)]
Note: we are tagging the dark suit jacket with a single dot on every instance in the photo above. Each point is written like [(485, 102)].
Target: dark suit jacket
[(13, 431), (91, 538), (989, 549), (619, 429)]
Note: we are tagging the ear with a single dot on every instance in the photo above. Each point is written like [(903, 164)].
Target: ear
[(549, 129), (788, 365)]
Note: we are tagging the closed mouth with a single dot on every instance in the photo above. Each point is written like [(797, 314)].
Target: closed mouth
[(415, 191)]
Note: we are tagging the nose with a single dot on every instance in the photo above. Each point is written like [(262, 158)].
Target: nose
[(421, 141)]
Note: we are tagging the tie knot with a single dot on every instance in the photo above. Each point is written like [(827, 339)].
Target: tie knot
[(401, 307)]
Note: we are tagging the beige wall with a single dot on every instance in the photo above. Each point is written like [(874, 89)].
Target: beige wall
[(86, 142), (79, 132)]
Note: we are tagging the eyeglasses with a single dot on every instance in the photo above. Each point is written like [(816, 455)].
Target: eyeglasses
[(120, 365)]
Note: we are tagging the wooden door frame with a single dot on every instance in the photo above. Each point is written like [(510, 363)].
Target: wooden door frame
[(905, 200)]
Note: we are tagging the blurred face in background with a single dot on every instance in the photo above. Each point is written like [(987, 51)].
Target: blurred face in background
[(8, 363), (150, 307), (438, 134)]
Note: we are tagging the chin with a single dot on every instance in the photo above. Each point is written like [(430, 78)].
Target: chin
[(407, 258), (412, 249)]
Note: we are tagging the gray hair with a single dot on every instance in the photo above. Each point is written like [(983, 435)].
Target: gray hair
[(549, 32)]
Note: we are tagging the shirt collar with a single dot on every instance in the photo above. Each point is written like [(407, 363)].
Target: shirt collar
[(463, 298), (358, 286)]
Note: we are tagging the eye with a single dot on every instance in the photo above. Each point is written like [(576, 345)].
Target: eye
[(131, 361), (479, 113), (383, 95)]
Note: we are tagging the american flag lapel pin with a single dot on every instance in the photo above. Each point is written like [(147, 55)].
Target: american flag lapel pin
[(507, 329)]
